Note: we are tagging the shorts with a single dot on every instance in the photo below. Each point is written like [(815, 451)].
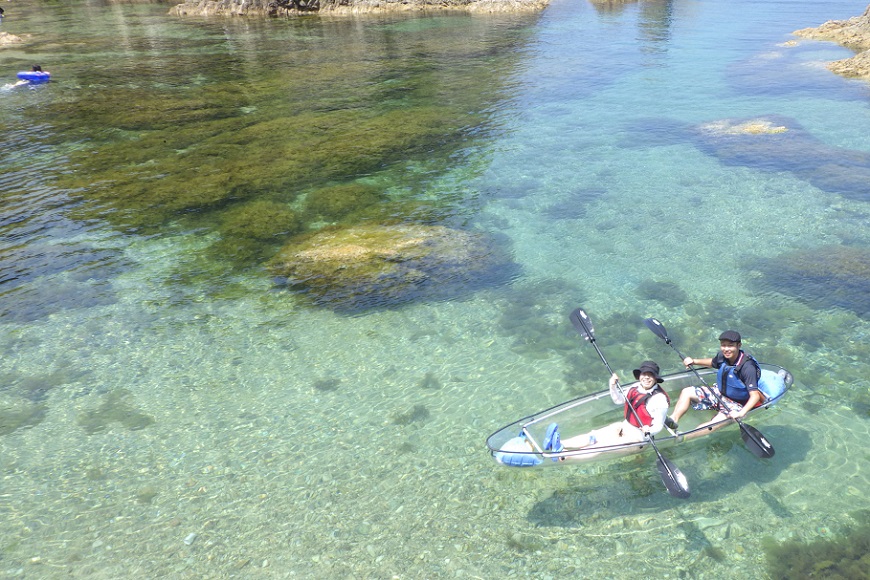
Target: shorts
[(708, 401)]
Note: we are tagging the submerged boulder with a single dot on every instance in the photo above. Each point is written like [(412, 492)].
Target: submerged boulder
[(7, 39), (823, 277), (777, 143), (369, 266)]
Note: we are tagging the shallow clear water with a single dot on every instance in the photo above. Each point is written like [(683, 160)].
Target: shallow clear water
[(169, 412)]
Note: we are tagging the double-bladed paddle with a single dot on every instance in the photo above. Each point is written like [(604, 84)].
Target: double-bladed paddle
[(755, 441), (672, 477)]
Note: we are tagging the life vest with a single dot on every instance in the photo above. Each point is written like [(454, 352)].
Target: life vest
[(638, 401), (728, 378)]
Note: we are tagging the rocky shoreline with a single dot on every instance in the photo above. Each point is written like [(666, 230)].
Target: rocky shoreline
[(296, 7), (853, 33)]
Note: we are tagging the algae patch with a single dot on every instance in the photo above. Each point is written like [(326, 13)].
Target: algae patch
[(349, 268)]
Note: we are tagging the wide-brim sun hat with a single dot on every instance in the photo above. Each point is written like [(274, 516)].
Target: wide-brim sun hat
[(648, 366)]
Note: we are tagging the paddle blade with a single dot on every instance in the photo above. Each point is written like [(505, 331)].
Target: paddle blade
[(583, 324), (756, 442), (674, 480), (658, 328)]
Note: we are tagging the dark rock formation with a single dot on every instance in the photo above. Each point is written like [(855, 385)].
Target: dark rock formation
[(824, 277), (778, 143)]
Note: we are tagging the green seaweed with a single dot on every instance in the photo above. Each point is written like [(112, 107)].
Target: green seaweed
[(348, 268), (823, 277), (844, 557), (527, 316), (19, 413), (228, 152), (338, 201), (327, 385), (260, 220), (416, 414), (667, 293), (430, 381)]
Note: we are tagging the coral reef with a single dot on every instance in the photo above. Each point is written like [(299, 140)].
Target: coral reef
[(363, 266)]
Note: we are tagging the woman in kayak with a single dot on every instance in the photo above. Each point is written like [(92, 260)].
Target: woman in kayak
[(645, 409)]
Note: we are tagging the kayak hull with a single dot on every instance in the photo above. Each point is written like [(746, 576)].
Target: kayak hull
[(521, 443)]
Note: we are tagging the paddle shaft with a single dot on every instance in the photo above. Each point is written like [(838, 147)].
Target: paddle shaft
[(700, 378), (577, 317), (760, 445)]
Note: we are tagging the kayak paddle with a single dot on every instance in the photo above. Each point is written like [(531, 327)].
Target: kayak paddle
[(672, 477), (755, 441)]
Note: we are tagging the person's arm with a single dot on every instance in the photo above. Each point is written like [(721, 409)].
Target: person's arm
[(700, 362), (615, 393), (754, 397), (657, 407)]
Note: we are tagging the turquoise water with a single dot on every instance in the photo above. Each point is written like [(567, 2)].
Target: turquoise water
[(167, 414)]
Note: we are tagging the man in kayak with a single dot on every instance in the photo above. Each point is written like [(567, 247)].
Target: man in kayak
[(643, 417), (736, 390)]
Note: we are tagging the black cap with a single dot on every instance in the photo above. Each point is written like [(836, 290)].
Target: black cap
[(730, 335), (648, 366)]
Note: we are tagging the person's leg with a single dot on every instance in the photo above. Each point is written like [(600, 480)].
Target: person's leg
[(594, 437), (687, 397)]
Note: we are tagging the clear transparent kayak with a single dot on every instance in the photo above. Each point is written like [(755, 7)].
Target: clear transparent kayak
[(521, 443)]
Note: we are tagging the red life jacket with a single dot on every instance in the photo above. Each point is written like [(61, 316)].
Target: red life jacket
[(638, 401)]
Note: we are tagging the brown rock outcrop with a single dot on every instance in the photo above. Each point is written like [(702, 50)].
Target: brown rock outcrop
[(853, 33)]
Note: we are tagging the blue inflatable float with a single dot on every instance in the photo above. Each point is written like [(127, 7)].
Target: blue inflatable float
[(35, 76)]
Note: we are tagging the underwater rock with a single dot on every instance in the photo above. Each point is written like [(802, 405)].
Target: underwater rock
[(17, 412), (366, 266), (775, 143), (418, 413), (853, 33), (750, 127), (667, 293), (117, 407), (827, 277), (7, 39)]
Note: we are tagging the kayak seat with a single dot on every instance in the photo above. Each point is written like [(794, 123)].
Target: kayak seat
[(514, 453), (771, 384)]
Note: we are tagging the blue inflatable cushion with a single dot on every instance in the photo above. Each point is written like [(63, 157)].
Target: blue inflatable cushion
[(771, 384), (511, 454)]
